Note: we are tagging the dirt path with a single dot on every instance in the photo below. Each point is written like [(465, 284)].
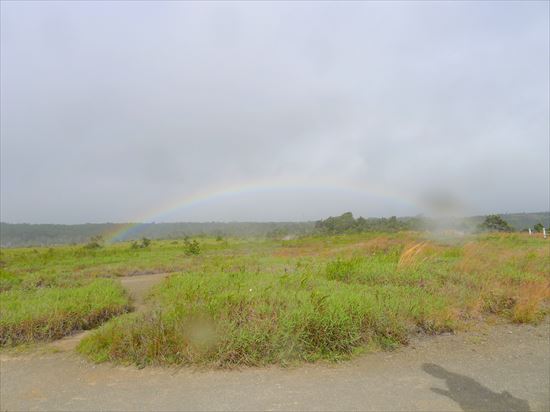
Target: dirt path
[(137, 287), (500, 368)]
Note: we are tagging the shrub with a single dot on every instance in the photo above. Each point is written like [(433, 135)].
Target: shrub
[(191, 247), (145, 243), (494, 223)]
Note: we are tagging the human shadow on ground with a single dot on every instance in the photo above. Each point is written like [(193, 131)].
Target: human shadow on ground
[(471, 395)]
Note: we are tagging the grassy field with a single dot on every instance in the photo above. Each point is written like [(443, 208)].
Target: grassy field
[(254, 302)]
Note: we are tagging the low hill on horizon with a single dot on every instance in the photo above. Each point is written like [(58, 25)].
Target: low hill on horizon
[(26, 234)]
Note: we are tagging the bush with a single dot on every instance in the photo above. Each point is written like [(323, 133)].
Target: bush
[(494, 223), (191, 247), (145, 243)]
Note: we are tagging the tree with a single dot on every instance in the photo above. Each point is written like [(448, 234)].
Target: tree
[(191, 247), (494, 223), (340, 224), (538, 227)]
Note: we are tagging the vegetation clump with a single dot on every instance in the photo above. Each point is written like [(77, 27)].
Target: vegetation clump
[(143, 244), (191, 247), (346, 223), (494, 223)]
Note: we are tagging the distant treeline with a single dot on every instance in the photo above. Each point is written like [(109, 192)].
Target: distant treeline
[(346, 223), (21, 234)]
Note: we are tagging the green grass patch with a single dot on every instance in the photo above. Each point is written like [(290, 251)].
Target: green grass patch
[(254, 319), (51, 313)]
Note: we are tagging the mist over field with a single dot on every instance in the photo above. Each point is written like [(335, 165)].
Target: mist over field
[(183, 111)]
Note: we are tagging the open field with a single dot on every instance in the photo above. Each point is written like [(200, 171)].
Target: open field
[(255, 302)]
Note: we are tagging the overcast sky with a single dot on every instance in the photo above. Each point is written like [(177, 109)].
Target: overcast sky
[(113, 111)]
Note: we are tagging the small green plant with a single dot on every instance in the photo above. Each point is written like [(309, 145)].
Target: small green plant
[(538, 227), (145, 243), (191, 247)]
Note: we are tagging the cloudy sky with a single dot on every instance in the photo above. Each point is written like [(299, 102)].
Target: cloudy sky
[(186, 111)]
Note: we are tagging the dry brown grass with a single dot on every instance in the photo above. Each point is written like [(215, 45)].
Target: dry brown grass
[(529, 298), (377, 245), (504, 279), (412, 255), (384, 244)]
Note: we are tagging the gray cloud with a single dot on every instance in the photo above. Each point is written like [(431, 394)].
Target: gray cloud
[(110, 110)]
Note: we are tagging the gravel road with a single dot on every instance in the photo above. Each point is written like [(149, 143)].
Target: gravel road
[(497, 368)]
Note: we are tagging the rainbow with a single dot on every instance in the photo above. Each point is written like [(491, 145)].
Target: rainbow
[(267, 185)]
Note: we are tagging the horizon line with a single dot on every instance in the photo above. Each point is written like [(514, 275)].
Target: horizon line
[(270, 221)]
